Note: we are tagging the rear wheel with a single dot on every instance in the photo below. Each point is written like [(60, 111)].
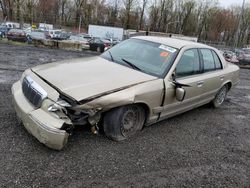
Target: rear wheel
[(123, 122), (220, 97), (98, 49)]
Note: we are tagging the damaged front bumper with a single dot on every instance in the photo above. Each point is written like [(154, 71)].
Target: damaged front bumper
[(41, 124)]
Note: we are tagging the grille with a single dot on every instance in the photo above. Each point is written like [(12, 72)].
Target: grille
[(33, 92)]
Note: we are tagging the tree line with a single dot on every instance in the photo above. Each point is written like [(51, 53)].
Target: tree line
[(204, 19)]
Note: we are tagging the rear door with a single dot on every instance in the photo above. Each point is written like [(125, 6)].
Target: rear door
[(212, 73)]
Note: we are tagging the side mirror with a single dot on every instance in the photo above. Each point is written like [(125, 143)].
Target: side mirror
[(180, 93)]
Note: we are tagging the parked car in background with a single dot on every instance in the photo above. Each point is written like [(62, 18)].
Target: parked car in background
[(230, 56), (62, 36), (17, 35), (45, 27), (77, 39), (53, 34), (11, 25), (112, 41), (85, 36), (37, 34), (99, 45), (245, 57), (138, 82)]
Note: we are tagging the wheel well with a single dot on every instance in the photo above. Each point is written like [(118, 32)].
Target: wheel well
[(146, 108), (229, 85), (143, 105)]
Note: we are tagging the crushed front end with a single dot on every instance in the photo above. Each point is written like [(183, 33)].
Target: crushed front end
[(43, 116)]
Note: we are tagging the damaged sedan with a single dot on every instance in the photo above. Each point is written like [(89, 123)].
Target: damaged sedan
[(138, 82)]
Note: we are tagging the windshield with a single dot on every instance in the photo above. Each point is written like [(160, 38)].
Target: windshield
[(149, 57)]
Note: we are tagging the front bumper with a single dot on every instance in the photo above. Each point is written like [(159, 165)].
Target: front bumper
[(38, 122)]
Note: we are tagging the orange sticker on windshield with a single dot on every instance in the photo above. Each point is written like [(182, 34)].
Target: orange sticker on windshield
[(164, 54)]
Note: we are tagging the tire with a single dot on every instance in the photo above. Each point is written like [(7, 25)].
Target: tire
[(123, 122), (220, 97), (98, 49)]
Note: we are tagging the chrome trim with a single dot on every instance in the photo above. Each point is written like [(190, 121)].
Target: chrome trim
[(33, 91)]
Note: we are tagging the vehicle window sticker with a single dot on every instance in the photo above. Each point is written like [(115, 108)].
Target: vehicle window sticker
[(167, 48), (164, 54)]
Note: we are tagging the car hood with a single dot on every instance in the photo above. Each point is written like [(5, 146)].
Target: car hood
[(89, 77)]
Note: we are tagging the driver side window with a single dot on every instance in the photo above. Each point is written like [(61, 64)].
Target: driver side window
[(189, 64)]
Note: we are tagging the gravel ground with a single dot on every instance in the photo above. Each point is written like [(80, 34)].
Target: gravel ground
[(205, 147)]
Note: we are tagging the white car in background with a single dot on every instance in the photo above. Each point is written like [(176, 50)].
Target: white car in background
[(77, 39), (51, 34)]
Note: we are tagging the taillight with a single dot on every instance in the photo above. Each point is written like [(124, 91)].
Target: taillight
[(106, 45)]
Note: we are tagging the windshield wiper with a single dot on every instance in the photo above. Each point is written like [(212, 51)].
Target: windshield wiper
[(131, 65), (112, 59)]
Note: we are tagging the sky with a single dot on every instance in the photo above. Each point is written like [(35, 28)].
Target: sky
[(227, 3)]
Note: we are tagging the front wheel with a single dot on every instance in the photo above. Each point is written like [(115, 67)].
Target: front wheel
[(220, 97), (123, 122)]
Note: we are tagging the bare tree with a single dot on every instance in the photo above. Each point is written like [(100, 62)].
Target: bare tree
[(78, 10), (7, 7), (144, 4), (128, 8), (4, 8)]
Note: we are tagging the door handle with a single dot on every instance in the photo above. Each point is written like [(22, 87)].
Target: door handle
[(200, 83)]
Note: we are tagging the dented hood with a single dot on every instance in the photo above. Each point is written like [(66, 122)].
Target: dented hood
[(89, 77)]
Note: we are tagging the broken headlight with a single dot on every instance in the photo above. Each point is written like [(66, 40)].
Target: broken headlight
[(60, 105)]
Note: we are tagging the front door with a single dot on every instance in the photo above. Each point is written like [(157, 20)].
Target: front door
[(188, 71)]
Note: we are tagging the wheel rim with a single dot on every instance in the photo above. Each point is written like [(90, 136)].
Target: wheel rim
[(130, 121), (221, 95), (98, 49)]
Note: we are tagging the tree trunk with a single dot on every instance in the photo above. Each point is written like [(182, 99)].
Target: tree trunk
[(18, 11), (142, 13)]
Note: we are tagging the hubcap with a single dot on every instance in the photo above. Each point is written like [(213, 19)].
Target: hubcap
[(221, 95), (130, 121)]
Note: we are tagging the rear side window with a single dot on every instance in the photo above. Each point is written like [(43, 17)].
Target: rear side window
[(208, 60), (189, 64), (217, 61)]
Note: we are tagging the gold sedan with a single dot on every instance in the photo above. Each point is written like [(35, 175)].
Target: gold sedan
[(136, 83)]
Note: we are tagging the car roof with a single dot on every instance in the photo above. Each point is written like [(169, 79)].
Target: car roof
[(172, 42)]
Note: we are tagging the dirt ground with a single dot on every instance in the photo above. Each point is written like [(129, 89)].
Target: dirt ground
[(204, 147)]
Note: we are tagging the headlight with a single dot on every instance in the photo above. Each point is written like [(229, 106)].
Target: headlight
[(63, 103), (60, 105)]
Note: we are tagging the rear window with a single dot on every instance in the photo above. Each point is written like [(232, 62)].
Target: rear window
[(211, 60), (208, 60), (217, 61)]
